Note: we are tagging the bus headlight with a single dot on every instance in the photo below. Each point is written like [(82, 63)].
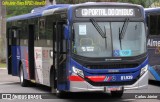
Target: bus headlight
[(144, 69), (78, 71)]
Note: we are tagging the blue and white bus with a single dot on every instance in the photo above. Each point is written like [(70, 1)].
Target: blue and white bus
[(80, 48), (153, 43)]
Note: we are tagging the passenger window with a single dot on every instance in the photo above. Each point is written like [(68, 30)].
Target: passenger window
[(154, 24)]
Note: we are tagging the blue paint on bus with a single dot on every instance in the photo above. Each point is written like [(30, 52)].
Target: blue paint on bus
[(38, 12), (154, 73), (14, 61)]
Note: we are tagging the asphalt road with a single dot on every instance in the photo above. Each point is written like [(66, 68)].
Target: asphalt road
[(10, 84)]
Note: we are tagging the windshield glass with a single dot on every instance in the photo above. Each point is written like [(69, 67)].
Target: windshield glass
[(88, 42)]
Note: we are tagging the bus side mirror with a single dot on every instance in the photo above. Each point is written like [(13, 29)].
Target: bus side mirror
[(66, 32)]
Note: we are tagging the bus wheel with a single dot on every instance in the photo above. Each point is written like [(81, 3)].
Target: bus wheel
[(23, 81), (117, 94)]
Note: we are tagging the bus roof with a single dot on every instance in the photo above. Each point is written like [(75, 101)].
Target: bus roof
[(152, 10), (36, 12), (40, 11)]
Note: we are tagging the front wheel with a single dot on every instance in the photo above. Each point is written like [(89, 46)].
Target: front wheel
[(117, 94), (23, 81)]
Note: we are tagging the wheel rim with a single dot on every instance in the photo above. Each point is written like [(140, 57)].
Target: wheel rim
[(21, 76)]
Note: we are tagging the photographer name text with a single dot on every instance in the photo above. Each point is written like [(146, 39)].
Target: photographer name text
[(23, 3)]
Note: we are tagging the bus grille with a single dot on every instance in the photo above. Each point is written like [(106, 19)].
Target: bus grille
[(109, 66)]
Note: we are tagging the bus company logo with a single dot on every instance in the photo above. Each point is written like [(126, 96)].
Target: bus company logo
[(113, 78), (109, 78)]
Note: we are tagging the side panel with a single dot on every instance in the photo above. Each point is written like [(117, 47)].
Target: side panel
[(38, 64), (14, 45)]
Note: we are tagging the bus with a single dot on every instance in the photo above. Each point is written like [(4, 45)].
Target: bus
[(153, 43), (88, 47)]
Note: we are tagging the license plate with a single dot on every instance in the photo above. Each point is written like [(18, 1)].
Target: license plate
[(113, 88)]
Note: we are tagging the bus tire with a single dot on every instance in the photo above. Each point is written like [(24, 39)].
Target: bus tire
[(117, 94), (23, 82)]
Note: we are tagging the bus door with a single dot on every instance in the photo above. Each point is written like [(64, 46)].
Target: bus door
[(31, 51), (60, 55), (9, 52), (12, 43)]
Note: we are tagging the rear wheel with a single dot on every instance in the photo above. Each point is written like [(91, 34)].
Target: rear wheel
[(23, 81), (117, 94)]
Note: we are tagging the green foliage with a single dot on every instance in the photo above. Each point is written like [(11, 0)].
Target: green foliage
[(13, 10), (2, 65), (140, 2)]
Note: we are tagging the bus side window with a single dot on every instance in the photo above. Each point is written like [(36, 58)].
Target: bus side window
[(14, 32), (42, 34), (9, 35), (154, 24), (14, 37), (64, 39)]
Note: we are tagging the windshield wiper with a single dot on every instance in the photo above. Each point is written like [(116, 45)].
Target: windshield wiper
[(100, 31), (98, 28), (123, 31)]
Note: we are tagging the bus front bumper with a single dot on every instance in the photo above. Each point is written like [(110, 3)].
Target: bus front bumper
[(83, 86)]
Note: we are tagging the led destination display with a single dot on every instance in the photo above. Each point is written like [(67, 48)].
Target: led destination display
[(107, 12)]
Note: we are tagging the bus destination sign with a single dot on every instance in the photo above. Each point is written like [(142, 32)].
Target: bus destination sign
[(105, 12)]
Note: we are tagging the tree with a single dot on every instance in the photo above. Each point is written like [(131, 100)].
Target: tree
[(20, 9), (2, 32)]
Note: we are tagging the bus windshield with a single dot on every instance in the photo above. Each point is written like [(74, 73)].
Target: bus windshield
[(87, 41)]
